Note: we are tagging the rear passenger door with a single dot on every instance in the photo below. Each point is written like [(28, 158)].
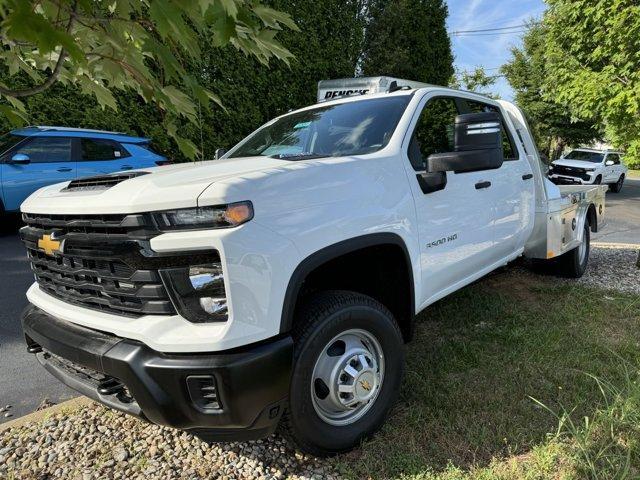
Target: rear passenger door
[(98, 156), (50, 161), (514, 188)]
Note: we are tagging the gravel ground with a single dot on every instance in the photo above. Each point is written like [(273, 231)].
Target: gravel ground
[(94, 442), (613, 268)]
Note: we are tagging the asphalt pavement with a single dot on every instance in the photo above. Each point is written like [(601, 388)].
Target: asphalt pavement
[(24, 384), (623, 215)]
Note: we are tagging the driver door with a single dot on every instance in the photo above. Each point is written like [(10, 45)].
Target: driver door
[(455, 224)]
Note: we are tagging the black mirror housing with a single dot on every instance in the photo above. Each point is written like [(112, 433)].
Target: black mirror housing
[(477, 145)]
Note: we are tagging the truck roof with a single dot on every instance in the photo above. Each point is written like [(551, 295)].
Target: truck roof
[(367, 87), (597, 150)]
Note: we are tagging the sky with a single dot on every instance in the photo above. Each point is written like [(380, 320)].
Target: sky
[(488, 49)]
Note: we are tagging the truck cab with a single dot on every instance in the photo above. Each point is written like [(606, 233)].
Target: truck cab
[(277, 286)]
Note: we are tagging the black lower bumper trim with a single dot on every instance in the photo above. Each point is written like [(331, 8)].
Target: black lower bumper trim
[(252, 383)]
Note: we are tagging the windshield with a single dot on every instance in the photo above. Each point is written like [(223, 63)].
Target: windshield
[(353, 128), (8, 140), (593, 157)]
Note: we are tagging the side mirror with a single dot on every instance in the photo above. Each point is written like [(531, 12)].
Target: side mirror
[(219, 153), (20, 159), (608, 163), (477, 145)]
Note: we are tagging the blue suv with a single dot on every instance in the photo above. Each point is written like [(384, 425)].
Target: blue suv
[(34, 157)]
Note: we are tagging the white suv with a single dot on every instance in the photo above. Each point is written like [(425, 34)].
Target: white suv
[(585, 166)]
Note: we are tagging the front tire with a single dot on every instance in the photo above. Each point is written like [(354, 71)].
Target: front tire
[(598, 180), (616, 187), (348, 366)]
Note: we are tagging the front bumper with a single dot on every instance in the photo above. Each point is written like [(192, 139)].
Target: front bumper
[(250, 385), (568, 180)]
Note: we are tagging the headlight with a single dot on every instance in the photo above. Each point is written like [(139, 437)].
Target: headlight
[(589, 169), (223, 216), (198, 292)]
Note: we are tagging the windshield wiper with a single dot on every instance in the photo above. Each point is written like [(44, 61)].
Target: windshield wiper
[(297, 156)]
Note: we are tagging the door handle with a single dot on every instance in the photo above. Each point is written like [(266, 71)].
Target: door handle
[(126, 167), (480, 185), (64, 169), (528, 176)]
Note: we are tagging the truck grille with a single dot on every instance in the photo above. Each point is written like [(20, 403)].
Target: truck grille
[(570, 171), (105, 262)]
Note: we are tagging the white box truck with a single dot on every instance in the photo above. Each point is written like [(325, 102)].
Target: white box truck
[(279, 284)]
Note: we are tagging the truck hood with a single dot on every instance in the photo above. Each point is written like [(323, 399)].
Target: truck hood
[(166, 187), (565, 162)]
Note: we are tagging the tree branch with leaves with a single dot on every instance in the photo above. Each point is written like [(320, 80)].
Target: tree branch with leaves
[(139, 45)]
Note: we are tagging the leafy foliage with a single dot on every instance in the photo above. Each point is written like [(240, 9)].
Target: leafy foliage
[(476, 80), (533, 81), (593, 50), (139, 45), (408, 39)]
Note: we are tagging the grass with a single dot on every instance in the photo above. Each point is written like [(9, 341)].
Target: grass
[(500, 379), (634, 173)]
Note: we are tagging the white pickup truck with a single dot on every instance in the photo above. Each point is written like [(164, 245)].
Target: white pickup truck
[(278, 284), (586, 166)]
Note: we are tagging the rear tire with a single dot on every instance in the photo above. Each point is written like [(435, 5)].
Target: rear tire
[(573, 263), (616, 187), (348, 366)]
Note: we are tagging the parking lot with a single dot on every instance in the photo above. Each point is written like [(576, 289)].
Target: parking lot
[(25, 385)]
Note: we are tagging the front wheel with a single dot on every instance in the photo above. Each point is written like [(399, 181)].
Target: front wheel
[(616, 187), (598, 180), (348, 366)]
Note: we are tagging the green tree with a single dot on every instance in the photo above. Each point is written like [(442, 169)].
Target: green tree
[(593, 50), (533, 80), (408, 39), (139, 45)]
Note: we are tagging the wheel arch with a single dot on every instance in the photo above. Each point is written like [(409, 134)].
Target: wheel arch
[(343, 250)]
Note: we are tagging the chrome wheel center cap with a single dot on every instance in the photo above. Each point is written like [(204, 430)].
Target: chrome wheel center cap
[(357, 380)]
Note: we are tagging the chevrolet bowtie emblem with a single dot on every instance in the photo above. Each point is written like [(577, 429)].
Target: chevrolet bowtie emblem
[(366, 385), (49, 245)]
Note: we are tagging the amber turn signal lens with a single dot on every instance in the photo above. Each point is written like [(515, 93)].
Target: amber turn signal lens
[(238, 213)]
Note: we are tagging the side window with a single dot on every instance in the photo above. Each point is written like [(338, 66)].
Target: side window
[(508, 146), (101, 149), (434, 132), (47, 149), (615, 158)]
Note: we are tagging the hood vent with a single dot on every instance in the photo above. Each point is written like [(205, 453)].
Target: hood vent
[(101, 182)]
